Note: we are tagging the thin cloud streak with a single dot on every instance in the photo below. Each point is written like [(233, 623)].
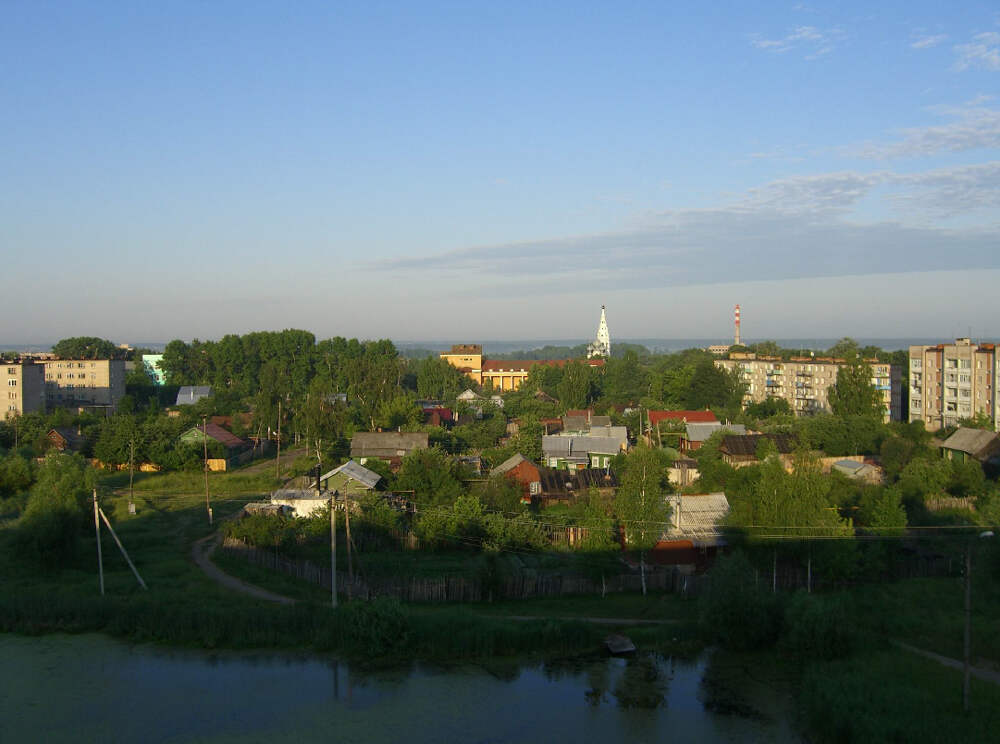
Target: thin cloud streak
[(975, 127), (983, 51), (928, 42), (708, 247)]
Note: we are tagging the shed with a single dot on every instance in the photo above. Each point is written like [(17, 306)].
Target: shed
[(350, 478), (65, 438), (216, 433), (191, 394), (738, 450), (972, 444), (390, 446), (695, 532)]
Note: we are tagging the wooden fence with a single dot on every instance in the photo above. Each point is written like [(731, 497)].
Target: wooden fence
[(461, 588)]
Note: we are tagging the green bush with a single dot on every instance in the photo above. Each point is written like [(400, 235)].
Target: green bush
[(818, 627), (733, 612), (377, 628)]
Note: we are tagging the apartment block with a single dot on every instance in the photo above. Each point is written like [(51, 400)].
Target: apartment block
[(85, 383), (804, 382), (24, 385), (949, 382)]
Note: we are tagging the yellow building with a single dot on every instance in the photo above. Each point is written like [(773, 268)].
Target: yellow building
[(85, 383), (503, 375), (468, 358), (24, 384)]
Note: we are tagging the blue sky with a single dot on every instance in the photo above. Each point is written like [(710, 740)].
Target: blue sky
[(492, 171)]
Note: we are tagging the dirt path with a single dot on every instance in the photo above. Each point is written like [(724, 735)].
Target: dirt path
[(987, 675), (201, 553), (595, 620)]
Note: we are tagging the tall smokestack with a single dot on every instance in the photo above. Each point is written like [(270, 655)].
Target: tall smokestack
[(736, 319)]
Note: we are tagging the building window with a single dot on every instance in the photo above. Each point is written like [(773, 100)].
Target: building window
[(12, 383)]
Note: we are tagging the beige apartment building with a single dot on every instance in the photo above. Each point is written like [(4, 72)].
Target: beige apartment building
[(24, 385), (949, 382), (85, 383), (804, 382)]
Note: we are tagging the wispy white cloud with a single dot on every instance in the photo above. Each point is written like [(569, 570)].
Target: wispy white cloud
[(788, 229), (817, 42), (942, 192), (983, 51), (974, 127), (927, 42)]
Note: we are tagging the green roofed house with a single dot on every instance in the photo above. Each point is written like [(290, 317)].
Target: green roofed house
[(214, 432)]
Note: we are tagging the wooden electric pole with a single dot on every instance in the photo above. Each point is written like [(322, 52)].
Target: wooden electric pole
[(333, 549), (277, 459), (131, 474), (204, 437), (347, 524), (97, 532)]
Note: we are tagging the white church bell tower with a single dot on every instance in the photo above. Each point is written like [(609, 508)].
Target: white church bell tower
[(601, 347)]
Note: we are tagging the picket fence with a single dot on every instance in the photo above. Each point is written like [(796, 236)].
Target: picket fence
[(461, 588)]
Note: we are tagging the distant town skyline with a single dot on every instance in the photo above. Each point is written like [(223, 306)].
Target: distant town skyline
[(485, 172)]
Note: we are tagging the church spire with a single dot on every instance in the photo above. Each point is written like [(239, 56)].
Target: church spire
[(601, 347)]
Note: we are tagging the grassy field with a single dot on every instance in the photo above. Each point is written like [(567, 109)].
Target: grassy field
[(930, 614), (893, 695)]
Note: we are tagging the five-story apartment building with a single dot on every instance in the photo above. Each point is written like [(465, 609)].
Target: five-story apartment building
[(23, 388), (950, 382), (805, 382)]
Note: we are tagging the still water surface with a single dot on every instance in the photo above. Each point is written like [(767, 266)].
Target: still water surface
[(91, 688)]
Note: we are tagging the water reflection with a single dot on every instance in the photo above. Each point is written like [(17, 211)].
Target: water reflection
[(78, 688)]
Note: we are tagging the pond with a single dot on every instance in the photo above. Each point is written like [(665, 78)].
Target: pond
[(63, 688)]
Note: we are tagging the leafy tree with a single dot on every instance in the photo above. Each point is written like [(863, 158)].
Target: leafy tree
[(578, 388), (924, 477), (768, 408), (846, 348), (882, 513), (432, 476), (624, 379), (641, 503), (49, 530), (714, 386), (967, 479), (87, 347), (15, 474), (439, 380), (853, 394), (733, 611)]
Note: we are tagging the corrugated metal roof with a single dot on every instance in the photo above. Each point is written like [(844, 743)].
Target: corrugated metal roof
[(387, 443), (189, 394), (689, 416), (509, 464), (356, 472), (697, 517), (970, 441), (746, 444), (220, 435), (558, 446), (699, 432)]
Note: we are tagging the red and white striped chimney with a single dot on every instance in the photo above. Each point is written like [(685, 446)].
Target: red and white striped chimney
[(736, 319)]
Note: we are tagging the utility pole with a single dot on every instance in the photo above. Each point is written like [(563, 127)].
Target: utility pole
[(968, 627), (347, 524), (204, 439), (277, 459), (333, 550), (97, 532), (131, 474)]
